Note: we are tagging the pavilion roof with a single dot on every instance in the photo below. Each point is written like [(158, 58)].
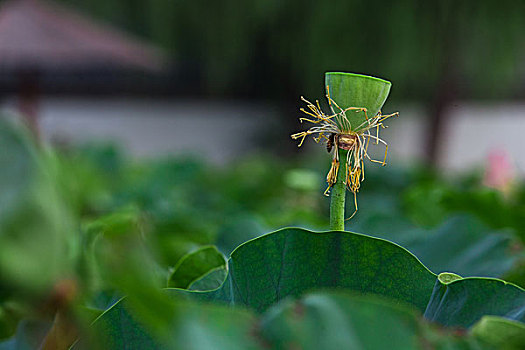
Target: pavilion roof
[(37, 34)]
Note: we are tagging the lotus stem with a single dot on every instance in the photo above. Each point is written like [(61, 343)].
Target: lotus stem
[(337, 196)]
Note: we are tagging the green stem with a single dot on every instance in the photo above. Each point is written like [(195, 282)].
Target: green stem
[(338, 192)]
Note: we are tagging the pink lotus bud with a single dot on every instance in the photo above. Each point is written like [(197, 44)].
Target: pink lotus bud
[(500, 171)]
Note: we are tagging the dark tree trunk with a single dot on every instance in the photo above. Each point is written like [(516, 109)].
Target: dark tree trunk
[(446, 88), (28, 96)]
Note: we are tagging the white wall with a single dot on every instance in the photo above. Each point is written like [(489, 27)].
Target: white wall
[(151, 128), (472, 132), (221, 131)]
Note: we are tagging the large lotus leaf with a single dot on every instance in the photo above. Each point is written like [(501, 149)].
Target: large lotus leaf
[(292, 261), (321, 320), (463, 301), (356, 90), (289, 262)]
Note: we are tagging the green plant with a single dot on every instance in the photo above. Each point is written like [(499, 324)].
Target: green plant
[(111, 251), (355, 103), (290, 263)]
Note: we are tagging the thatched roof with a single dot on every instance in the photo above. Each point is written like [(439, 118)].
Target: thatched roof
[(36, 34)]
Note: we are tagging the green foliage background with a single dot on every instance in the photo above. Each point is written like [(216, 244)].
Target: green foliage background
[(83, 228), (275, 48)]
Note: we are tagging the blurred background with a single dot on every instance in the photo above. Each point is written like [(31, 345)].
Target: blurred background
[(155, 77), (164, 99), (169, 124)]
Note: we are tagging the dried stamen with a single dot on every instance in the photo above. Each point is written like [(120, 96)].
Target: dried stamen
[(342, 135)]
